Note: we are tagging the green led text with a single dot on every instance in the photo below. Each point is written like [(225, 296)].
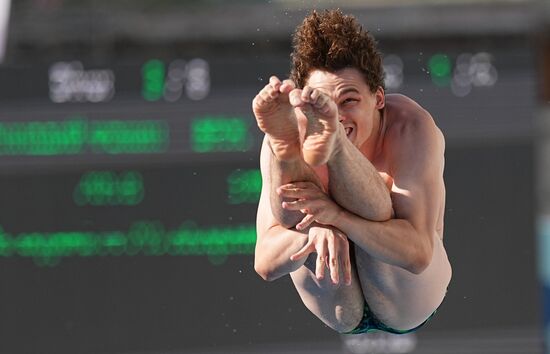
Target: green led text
[(440, 69), (244, 186), (143, 238), (77, 136), (220, 134), (109, 188), (153, 77)]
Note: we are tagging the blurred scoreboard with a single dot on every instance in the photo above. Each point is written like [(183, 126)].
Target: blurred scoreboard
[(81, 142), (142, 142)]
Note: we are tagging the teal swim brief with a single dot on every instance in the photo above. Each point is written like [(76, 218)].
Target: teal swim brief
[(370, 323)]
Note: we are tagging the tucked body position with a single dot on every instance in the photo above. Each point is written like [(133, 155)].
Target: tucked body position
[(353, 196)]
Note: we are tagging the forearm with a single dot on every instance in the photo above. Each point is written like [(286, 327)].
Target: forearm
[(395, 241), (356, 185), (272, 255)]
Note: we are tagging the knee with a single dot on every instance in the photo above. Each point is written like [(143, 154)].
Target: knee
[(346, 318)]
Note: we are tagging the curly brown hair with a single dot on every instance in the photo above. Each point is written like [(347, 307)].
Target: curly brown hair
[(331, 41)]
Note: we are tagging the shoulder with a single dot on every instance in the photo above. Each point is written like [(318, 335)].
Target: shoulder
[(408, 123)]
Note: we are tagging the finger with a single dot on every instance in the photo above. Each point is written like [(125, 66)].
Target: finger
[(305, 222), (307, 249), (312, 186), (333, 261), (297, 193), (299, 187), (321, 260), (346, 262), (304, 184), (287, 189), (300, 205)]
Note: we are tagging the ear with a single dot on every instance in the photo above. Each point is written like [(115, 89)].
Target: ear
[(380, 98)]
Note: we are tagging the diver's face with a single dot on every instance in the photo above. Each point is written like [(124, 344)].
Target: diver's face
[(358, 107)]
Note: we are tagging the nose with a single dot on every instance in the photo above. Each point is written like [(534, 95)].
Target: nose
[(341, 117)]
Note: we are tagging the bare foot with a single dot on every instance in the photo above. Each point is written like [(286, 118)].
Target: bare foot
[(322, 124), (275, 117)]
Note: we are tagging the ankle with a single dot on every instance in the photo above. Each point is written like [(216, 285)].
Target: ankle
[(285, 151), (340, 139)]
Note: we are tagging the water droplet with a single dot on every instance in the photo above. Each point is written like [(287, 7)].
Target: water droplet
[(421, 90), (234, 330), (253, 44)]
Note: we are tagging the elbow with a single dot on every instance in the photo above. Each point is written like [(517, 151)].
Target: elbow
[(420, 261), (418, 266), (263, 271)]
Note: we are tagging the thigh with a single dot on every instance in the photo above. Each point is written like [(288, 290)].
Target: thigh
[(400, 299), (339, 306)]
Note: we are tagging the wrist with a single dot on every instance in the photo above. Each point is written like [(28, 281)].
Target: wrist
[(340, 218)]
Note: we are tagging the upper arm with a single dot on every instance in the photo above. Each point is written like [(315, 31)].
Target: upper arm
[(417, 169)]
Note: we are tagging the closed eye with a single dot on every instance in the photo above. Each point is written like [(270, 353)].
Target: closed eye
[(349, 100)]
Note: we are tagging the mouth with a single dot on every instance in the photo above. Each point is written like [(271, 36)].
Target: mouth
[(348, 131)]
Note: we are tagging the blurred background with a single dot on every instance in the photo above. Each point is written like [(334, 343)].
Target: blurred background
[(129, 173)]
